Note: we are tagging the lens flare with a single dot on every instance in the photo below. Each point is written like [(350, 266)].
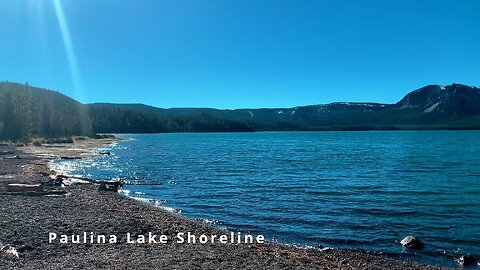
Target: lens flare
[(67, 41)]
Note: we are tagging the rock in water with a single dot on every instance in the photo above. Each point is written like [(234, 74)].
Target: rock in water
[(412, 242), (466, 260)]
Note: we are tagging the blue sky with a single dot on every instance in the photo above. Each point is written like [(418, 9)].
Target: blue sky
[(236, 54)]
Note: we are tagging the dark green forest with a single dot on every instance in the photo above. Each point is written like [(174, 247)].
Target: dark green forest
[(114, 119), (28, 112)]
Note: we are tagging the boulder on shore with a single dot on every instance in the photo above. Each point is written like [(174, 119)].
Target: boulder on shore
[(412, 242)]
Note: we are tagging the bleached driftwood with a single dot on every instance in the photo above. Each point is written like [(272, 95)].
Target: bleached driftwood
[(24, 188)]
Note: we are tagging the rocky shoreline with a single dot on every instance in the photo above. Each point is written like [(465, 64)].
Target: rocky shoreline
[(27, 219)]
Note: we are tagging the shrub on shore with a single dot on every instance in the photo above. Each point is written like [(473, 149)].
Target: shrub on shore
[(104, 136), (37, 142), (40, 141)]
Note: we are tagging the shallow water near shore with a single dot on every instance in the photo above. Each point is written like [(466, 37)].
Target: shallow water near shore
[(343, 189)]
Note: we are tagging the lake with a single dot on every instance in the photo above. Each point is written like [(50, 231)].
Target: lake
[(363, 190)]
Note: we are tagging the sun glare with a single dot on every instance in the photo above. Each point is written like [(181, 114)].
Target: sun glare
[(67, 41)]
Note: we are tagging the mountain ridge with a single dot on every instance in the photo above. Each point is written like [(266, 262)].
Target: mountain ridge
[(442, 87), (27, 111), (430, 105)]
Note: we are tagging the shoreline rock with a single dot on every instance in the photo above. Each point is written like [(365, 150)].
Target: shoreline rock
[(466, 260), (412, 242)]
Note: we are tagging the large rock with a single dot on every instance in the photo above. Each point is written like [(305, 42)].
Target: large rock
[(412, 242), (466, 260)]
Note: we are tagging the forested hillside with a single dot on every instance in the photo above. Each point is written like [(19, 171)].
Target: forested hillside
[(119, 119), (29, 112)]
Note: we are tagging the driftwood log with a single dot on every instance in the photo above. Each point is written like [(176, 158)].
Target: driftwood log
[(113, 185)]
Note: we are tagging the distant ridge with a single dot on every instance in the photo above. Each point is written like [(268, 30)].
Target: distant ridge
[(454, 106), (27, 112), (452, 99)]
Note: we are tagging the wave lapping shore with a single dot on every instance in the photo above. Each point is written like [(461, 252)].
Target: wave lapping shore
[(27, 219)]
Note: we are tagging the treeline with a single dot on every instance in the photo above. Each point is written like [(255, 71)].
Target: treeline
[(27, 112), (115, 119)]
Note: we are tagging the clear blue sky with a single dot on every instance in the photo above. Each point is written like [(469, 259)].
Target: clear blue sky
[(234, 54)]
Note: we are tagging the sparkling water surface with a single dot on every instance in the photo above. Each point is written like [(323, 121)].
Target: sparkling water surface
[(343, 189)]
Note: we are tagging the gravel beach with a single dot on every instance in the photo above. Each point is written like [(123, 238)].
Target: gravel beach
[(26, 221)]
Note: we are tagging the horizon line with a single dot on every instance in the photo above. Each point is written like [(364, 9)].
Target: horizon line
[(244, 108)]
